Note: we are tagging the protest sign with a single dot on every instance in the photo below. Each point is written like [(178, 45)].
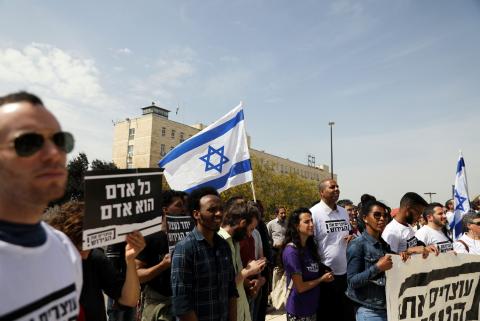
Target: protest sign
[(118, 202), (177, 228), (439, 288)]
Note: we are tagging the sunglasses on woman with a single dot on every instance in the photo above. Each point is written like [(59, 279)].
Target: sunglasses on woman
[(378, 215), (29, 143)]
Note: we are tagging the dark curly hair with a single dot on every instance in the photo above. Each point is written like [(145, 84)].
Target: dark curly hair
[(68, 218)]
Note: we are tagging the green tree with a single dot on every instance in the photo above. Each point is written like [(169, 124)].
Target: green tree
[(275, 190), (102, 165)]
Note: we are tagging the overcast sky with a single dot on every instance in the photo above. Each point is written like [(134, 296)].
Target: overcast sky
[(400, 79)]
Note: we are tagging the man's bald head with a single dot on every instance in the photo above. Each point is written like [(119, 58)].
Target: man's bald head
[(329, 192), (324, 184)]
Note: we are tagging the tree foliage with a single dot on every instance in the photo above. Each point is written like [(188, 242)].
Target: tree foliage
[(77, 167), (275, 190), (102, 165)]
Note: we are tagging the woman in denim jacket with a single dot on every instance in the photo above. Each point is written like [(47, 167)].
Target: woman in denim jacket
[(367, 261)]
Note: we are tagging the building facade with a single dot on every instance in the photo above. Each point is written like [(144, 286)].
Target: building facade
[(142, 141)]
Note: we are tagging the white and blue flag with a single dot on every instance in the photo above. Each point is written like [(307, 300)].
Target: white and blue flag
[(460, 197), (217, 156)]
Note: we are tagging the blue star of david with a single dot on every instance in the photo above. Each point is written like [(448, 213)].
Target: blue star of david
[(460, 201), (211, 152)]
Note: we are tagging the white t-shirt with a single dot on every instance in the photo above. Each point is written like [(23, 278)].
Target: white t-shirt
[(473, 245), (40, 283), (399, 236), (331, 229), (429, 236)]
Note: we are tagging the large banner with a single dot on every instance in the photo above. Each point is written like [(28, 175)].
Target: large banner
[(439, 288), (177, 228), (118, 202)]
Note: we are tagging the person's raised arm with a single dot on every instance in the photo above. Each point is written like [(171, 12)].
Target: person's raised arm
[(131, 286)]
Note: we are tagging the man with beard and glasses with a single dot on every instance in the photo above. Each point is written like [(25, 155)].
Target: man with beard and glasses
[(400, 235), (332, 235), (203, 277), (434, 232), (239, 222), (41, 270)]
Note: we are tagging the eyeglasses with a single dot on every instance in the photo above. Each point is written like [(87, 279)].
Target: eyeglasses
[(379, 215), (29, 143), (477, 223)]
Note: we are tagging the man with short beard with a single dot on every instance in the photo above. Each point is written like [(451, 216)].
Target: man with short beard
[(41, 272), (433, 233), (203, 278), (399, 234), (239, 222)]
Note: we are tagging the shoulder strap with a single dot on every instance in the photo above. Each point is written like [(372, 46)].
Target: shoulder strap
[(465, 244)]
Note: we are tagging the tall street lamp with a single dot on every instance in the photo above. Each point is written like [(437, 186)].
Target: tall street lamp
[(331, 146)]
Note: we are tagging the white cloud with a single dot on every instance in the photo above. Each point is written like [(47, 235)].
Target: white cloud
[(168, 74), (71, 88), (124, 51), (52, 71)]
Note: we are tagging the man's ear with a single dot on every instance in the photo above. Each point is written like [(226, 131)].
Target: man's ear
[(242, 223), (196, 214)]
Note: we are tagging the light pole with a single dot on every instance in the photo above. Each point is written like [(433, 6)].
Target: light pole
[(331, 146), (430, 194)]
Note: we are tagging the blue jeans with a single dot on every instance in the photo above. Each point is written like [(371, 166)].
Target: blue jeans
[(116, 313), (366, 314)]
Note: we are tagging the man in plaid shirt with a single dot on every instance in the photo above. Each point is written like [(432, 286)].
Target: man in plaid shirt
[(203, 277)]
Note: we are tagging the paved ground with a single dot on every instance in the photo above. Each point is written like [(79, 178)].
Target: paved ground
[(276, 315)]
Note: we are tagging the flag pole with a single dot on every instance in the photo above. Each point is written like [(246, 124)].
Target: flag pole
[(253, 192)]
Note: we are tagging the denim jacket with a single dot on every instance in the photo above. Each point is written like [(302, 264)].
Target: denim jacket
[(366, 283)]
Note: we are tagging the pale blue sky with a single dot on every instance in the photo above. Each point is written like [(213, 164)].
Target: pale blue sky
[(400, 79)]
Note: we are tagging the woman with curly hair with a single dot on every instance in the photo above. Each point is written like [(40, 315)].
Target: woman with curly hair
[(303, 267)]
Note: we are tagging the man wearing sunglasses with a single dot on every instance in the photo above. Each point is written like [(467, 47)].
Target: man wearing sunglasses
[(41, 276)]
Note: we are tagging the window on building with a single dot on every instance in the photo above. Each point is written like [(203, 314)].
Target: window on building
[(182, 137), (162, 149), (173, 133), (130, 150), (129, 160), (171, 147), (131, 133), (163, 131)]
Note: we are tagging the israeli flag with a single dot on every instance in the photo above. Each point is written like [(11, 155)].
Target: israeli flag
[(460, 197), (217, 156)]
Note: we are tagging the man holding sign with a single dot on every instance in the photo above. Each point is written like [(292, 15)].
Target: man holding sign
[(153, 265)]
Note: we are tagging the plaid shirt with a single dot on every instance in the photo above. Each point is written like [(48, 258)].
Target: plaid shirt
[(203, 278)]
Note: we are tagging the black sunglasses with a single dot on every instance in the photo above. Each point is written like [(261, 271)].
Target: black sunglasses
[(378, 215), (477, 223), (30, 143)]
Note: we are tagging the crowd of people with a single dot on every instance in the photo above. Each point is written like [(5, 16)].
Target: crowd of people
[(334, 254)]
